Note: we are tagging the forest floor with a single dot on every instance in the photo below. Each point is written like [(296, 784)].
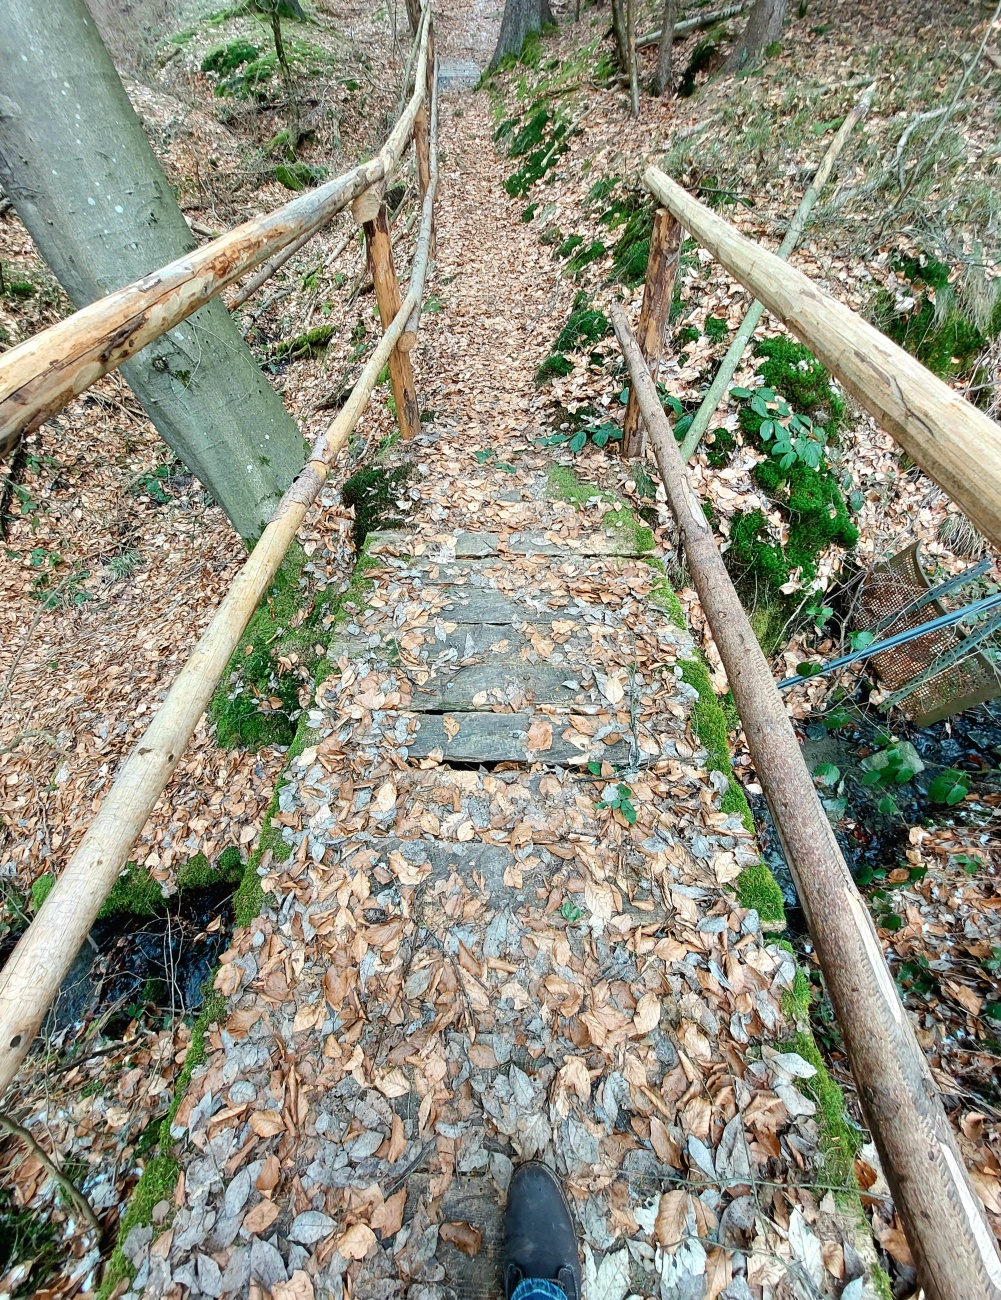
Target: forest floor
[(112, 548)]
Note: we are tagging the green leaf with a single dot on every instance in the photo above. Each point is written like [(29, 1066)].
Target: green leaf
[(827, 773), (673, 403), (740, 392), (628, 811), (767, 429), (486, 453), (992, 1010), (872, 778), (888, 806), (599, 437), (788, 460), (624, 396), (860, 640), (758, 405), (949, 787), (809, 670), (769, 394), (570, 913), (577, 441), (594, 767)]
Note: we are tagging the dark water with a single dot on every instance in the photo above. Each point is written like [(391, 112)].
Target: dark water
[(872, 838), (143, 965)]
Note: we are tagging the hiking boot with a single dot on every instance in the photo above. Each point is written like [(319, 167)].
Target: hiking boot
[(539, 1236)]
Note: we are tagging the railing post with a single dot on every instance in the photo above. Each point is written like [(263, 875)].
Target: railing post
[(661, 269), (369, 210), (424, 168)]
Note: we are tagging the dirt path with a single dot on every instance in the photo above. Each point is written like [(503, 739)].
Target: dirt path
[(499, 917)]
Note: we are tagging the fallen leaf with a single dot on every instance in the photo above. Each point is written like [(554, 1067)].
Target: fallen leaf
[(464, 1236), (356, 1242), (267, 1123), (387, 1218), (260, 1218)]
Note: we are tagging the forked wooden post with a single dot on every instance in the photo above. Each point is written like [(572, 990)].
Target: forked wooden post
[(661, 270), (369, 211)]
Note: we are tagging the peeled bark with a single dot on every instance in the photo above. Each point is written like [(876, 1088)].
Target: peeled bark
[(521, 18), (76, 164), (764, 26), (663, 79)]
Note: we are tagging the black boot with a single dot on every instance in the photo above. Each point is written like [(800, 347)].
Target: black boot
[(539, 1236)]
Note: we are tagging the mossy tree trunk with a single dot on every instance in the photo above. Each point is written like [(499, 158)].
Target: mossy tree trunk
[(76, 164), (764, 26), (521, 19)]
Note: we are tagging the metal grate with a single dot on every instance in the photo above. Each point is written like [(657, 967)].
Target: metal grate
[(891, 588)]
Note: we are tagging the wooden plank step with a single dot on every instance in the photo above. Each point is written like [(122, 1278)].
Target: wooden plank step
[(482, 685), (499, 738), (474, 546)]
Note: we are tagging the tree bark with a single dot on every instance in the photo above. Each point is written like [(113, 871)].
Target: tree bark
[(521, 18), (663, 79), (76, 164), (620, 33), (634, 76), (763, 27)]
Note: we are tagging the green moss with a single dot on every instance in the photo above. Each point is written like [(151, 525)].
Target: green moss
[(272, 662), (585, 326), (373, 492), (299, 176), (29, 1239), (224, 59), (716, 328), (758, 888), (702, 59), (156, 1184), (555, 364), (310, 344), (20, 289), (792, 370), (720, 446), (540, 140), (564, 485), (135, 892), (568, 245), (584, 257), (40, 890)]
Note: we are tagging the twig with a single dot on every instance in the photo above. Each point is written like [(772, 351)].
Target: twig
[(44, 1159), (898, 157)]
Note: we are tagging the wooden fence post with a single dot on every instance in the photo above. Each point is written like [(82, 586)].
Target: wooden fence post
[(431, 77), (369, 211), (661, 269)]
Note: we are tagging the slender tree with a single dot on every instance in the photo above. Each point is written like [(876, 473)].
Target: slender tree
[(664, 76), (764, 26), (76, 164), (521, 19)]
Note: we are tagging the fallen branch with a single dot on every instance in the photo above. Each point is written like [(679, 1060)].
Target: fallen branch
[(946, 1229), (47, 1163), (749, 324), (898, 157), (278, 261), (689, 25)]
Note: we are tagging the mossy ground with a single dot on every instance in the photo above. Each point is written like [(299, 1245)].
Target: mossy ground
[(373, 492), (564, 485), (257, 702)]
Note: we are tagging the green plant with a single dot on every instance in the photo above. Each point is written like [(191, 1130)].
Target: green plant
[(373, 493), (555, 364), (224, 59), (619, 799), (599, 435), (949, 787), (155, 483), (570, 913), (894, 765), (298, 175), (126, 564), (793, 435), (716, 328), (585, 326)]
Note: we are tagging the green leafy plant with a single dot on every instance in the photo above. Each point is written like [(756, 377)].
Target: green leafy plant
[(619, 800), (949, 787), (970, 862), (827, 774), (792, 435), (894, 765), (599, 435), (570, 913)]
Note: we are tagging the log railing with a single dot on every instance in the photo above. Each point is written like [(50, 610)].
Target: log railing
[(951, 1242), (39, 376), (35, 970), (956, 445)]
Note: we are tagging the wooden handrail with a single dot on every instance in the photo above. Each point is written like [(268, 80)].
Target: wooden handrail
[(949, 1237), (956, 445), (39, 963), (39, 376)]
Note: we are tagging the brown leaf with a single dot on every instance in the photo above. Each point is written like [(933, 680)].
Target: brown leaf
[(668, 1151), (463, 1236), (719, 1274), (298, 1287), (397, 1141), (647, 1015), (387, 1218), (356, 1242), (672, 1213), (267, 1123), (482, 1056), (271, 1172), (261, 1217), (540, 734), (451, 726)]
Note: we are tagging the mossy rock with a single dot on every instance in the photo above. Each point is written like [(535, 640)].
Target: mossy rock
[(298, 175), (226, 58), (303, 346), (935, 331)]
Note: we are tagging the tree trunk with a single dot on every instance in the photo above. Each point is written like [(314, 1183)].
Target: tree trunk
[(620, 34), (76, 164), (664, 77), (634, 76), (763, 27), (521, 18)]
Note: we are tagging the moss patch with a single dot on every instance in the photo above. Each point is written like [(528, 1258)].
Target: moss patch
[(373, 492), (257, 703), (620, 521), (585, 326), (310, 344)]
